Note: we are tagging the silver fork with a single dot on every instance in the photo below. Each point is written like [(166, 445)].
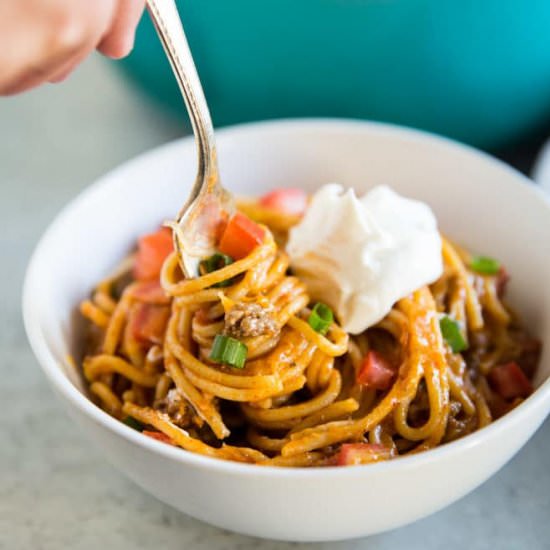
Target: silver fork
[(198, 224)]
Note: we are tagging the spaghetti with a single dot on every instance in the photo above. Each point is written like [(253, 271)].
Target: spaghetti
[(303, 397)]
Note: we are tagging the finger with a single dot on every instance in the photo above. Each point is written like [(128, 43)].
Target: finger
[(20, 84), (32, 78), (32, 75), (56, 32), (65, 70), (52, 70), (62, 74), (119, 40)]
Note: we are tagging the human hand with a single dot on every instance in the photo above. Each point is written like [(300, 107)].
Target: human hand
[(44, 40)]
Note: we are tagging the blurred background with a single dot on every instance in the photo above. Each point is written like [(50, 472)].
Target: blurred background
[(478, 71)]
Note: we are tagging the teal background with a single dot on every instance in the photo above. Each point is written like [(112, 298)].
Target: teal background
[(474, 70)]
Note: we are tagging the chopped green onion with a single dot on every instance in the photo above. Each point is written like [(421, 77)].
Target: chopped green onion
[(320, 318), (133, 423), (485, 265), (215, 262), (228, 351), (450, 330)]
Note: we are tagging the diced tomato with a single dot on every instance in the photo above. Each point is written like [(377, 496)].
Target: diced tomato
[(159, 436), (376, 372), (502, 281), (288, 201), (360, 453), (149, 292), (148, 322), (509, 381), (153, 249), (241, 237)]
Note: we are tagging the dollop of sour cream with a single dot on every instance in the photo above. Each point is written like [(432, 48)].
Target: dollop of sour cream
[(361, 255)]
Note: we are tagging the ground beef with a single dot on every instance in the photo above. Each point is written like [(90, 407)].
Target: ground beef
[(176, 408), (244, 320)]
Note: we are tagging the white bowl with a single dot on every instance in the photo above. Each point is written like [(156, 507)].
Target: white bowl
[(481, 202)]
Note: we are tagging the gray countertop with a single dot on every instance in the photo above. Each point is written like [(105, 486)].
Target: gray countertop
[(56, 491)]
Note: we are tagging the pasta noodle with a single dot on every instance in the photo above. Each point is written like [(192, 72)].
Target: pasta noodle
[(298, 400)]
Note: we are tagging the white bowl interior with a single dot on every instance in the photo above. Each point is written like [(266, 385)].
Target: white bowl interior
[(477, 200)]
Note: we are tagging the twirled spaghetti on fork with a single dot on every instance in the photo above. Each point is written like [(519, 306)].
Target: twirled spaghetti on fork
[(239, 364)]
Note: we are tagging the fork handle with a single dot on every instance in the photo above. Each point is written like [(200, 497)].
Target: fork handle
[(166, 19)]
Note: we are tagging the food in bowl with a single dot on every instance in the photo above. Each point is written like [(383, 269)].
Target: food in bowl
[(476, 200), (326, 330)]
